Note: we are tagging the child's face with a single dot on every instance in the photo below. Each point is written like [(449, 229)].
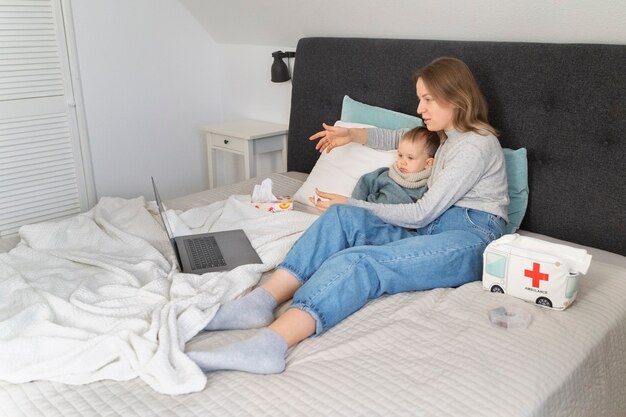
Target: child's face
[(412, 157)]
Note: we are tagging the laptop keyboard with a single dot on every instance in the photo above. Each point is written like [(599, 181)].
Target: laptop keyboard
[(204, 253)]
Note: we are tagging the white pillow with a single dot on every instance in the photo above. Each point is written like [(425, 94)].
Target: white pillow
[(339, 170)]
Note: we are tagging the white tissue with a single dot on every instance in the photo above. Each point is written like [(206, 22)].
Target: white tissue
[(263, 193)]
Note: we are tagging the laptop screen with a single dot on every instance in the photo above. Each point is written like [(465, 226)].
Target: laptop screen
[(168, 229), (166, 223)]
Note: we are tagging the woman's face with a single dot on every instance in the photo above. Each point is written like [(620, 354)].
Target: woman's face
[(437, 114)]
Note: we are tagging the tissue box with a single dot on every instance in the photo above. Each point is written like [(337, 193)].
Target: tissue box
[(283, 203)]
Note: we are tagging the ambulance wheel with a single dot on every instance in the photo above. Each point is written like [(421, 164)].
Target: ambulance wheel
[(497, 288), (543, 301)]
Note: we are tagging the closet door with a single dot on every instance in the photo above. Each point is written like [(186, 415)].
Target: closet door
[(44, 170)]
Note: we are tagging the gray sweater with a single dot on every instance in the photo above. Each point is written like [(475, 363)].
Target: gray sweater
[(469, 172)]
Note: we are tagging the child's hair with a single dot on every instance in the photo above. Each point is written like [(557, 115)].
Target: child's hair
[(451, 80), (417, 134)]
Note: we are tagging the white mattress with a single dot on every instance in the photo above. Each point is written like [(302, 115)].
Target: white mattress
[(428, 353)]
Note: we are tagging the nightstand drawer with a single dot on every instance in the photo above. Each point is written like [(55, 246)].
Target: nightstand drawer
[(229, 143)]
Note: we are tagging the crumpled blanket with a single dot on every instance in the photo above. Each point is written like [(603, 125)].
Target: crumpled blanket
[(95, 296), (377, 187)]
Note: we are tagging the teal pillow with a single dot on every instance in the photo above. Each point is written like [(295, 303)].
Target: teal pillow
[(517, 176), (357, 112)]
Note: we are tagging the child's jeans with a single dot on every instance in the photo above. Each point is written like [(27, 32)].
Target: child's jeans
[(349, 256)]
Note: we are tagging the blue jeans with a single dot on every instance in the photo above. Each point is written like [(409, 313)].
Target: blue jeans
[(349, 256)]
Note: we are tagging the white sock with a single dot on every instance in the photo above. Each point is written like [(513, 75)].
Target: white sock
[(253, 310), (263, 353)]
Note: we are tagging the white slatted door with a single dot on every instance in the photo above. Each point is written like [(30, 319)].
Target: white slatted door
[(42, 173)]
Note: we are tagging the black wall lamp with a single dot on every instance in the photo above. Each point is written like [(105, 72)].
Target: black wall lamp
[(280, 72)]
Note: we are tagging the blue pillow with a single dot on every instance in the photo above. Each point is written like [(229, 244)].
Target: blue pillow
[(357, 112), (517, 176)]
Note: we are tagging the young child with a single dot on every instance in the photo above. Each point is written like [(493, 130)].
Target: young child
[(405, 181)]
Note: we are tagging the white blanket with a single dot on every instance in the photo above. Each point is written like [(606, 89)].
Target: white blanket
[(95, 296)]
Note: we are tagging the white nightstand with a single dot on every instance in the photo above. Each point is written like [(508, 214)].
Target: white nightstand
[(248, 138)]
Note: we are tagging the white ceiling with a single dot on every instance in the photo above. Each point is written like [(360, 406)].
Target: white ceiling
[(283, 22)]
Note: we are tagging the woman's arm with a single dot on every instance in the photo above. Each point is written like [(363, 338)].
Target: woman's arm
[(333, 136), (462, 170), (386, 139)]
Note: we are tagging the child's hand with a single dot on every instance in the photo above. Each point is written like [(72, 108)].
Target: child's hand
[(322, 200)]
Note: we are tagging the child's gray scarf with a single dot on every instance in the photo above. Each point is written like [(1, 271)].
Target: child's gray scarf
[(411, 179)]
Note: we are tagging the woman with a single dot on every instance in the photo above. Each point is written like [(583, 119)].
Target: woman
[(357, 251)]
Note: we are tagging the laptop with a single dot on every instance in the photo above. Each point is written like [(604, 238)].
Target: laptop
[(208, 252)]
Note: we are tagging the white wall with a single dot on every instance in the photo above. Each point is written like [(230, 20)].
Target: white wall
[(153, 71), (150, 77), (246, 30), (283, 22), (248, 91)]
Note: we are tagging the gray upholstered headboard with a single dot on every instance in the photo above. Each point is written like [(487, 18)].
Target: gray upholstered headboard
[(565, 103)]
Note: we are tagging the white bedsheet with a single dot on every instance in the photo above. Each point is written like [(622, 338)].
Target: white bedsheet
[(92, 297), (426, 353)]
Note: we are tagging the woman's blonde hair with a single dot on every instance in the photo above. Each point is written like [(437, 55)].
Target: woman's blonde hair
[(450, 79)]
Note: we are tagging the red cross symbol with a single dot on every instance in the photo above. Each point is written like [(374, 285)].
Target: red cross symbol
[(536, 275)]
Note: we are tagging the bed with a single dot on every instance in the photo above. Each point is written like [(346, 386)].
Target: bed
[(431, 353)]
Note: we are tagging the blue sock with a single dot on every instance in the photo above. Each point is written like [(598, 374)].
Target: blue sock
[(263, 353), (253, 310)]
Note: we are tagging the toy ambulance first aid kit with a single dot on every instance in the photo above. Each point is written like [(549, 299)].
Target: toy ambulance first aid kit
[(534, 270)]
